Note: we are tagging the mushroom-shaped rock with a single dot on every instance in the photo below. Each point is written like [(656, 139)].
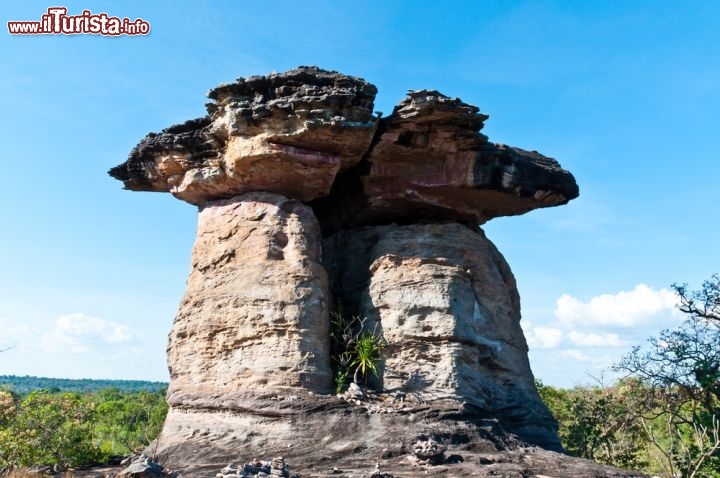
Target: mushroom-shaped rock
[(288, 133), (309, 206)]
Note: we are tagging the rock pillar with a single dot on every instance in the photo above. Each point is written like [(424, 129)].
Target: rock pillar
[(446, 302), (254, 318)]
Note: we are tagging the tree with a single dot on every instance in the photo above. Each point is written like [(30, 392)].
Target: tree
[(681, 411), (703, 303), (127, 422), (599, 422)]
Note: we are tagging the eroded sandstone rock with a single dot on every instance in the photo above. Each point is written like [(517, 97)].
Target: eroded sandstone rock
[(278, 162), (430, 162), (144, 467), (288, 133), (254, 317), (446, 302), (292, 133)]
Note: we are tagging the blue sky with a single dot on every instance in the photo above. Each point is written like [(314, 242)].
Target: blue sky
[(623, 94)]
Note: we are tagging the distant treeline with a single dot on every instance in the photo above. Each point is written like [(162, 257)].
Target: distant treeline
[(27, 384)]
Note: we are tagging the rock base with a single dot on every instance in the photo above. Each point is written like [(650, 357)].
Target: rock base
[(322, 436)]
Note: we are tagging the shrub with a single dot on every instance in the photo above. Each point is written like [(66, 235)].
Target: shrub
[(355, 350), (49, 429)]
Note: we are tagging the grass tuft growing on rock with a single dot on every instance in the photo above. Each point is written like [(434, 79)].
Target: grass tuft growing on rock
[(355, 350)]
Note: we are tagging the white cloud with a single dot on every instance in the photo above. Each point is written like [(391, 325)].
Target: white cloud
[(80, 333), (543, 337), (77, 346), (12, 335), (599, 362), (639, 306), (576, 355), (81, 325), (580, 339), (77, 333)]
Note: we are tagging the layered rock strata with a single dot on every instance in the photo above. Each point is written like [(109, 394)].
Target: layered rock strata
[(309, 203), (445, 301), (254, 319), (288, 133), (430, 162)]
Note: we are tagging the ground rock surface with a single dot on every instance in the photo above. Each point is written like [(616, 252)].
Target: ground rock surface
[(320, 437), (463, 461)]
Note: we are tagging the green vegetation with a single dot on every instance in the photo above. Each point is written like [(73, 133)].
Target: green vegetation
[(127, 422), (664, 417), (50, 429), (69, 429), (355, 350), (584, 432), (631, 426), (27, 384), (366, 352), (599, 423)]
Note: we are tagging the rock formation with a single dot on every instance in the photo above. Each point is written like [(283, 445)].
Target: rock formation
[(309, 205)]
